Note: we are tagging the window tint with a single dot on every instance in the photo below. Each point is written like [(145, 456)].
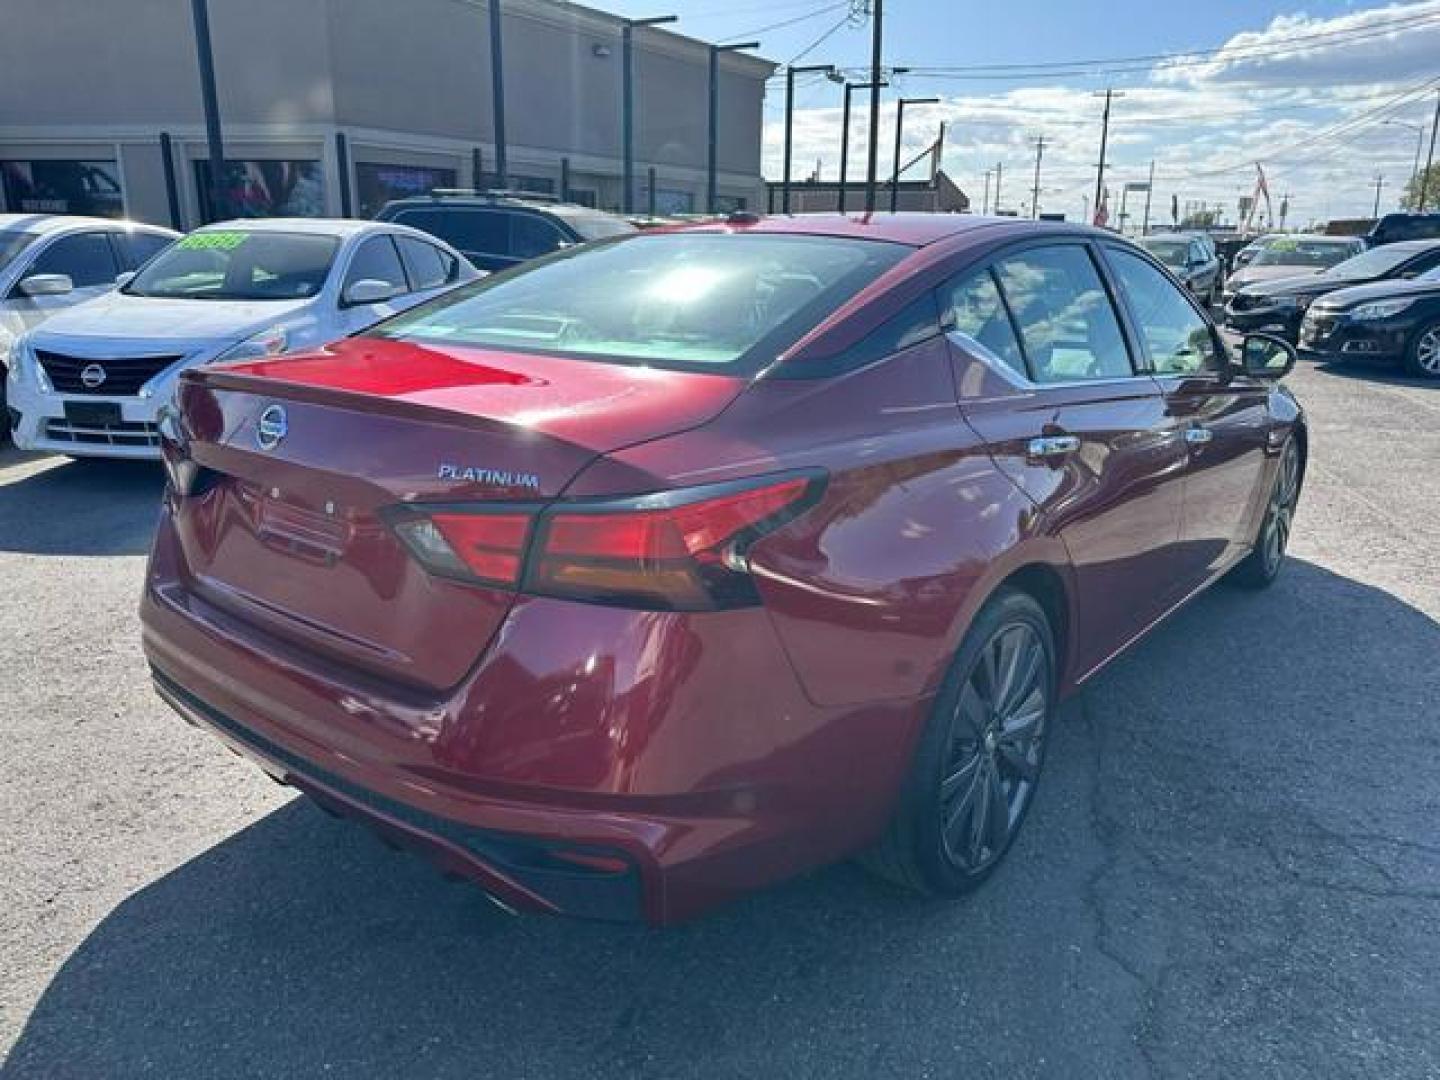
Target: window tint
[(1177, 336), (86, 257), (482, 231), (137, 248), (377, 260), (1067, 326), (918, 321), (532, 235), (429, 266), (972, 307)]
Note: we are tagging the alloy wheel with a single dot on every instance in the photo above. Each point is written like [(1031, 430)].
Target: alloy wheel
[(1000, 719), (1427, 351), (1280, 514)]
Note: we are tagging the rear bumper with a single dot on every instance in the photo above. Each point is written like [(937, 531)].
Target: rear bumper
[(598, 762)]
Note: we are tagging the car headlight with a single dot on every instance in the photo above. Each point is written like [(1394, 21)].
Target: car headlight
[(1380, 309), (269, 342)]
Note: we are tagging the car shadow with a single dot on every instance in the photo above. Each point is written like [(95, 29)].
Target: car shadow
[(78, 507), (1374, 373), (300, 946)]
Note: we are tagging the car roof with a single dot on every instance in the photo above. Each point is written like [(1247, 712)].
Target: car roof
[(912, 229), (51, 224), (342, 227)]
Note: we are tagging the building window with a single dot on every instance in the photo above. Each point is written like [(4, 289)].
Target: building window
[(674, 201), (378, 184), (255, 189), (63, 187)]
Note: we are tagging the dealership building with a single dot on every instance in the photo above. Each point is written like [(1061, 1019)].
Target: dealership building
[(330, 107)]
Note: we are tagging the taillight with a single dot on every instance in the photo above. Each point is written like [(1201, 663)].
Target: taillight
[(676, 550)]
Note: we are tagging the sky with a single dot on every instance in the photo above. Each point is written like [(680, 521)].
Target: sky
[(1325, 95)]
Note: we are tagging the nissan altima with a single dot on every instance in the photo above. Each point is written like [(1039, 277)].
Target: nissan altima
[(660, 569)]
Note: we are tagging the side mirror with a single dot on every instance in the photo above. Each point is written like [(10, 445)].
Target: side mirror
[(368, 291), (47, 285), (124, 278), (1264, 356)]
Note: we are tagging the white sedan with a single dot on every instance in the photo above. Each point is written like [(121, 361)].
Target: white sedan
[(91, 381)]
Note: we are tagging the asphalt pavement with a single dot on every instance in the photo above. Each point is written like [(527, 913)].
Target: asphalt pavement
[(1232, 868)]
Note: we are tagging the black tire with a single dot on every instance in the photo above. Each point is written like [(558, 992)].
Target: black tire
[(1422, 355), (1261, 567), (940, 806)]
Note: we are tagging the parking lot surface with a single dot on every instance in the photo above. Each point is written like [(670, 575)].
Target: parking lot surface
[(1232, 868)]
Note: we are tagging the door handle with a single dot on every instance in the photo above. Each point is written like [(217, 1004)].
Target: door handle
[(1198, 436), (1050, 446)]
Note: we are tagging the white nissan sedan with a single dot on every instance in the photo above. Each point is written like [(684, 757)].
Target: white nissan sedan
[(91, 381)]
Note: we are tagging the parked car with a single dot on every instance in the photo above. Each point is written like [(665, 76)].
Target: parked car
[(1192, 259), (1291, 256), (666, 567), (91, 381), (498, 230), (1280, 305), (1247, 253), (52, 262), (1404, 226), (1392, 322), (1229, 246)]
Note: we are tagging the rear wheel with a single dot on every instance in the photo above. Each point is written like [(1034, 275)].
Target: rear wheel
[(1422, 358), (979, 758), (1262, 565)]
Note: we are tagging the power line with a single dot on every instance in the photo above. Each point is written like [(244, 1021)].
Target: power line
[(791, 21)]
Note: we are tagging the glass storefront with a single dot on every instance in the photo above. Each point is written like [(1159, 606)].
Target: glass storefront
[(63, 187), (263, 189), (378, 184)]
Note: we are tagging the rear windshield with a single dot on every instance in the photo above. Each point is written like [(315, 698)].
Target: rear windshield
[(1316, 253), (684, 301), (238, 264)]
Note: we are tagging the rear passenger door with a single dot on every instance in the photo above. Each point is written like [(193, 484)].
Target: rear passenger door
[(374, 259), (1223, 419), (1047, 377)]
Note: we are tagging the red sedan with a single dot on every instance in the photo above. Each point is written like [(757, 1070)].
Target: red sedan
[(666, 567)]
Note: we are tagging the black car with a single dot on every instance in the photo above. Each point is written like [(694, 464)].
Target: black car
[(496, 229), (1388, 322), (1190, 258), (1280, 305), (1393, 228)]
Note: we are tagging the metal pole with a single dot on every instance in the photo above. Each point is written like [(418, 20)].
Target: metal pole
[(1379, 183), (999, 172), (844, 145), (712, 195), (497, 95), (342, 167), (1035, 187), (985, 202), (878, 14), (650, 201), (1430, 157), (1149, 190), (200, 14), (172, 190), (477, 169), (895, 180), (789, 135), (627, 105), (564, 179), (1104, 139)]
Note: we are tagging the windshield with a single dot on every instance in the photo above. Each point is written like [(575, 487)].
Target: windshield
[(685, 301), (1317, 253), (12, 243), (1371, 263), (238, 264), (1169, 252)]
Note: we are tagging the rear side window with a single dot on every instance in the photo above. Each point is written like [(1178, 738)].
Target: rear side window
[(482, 231), (86, 258), (971, 306), (532, 235), (684, 301), (1067, 324), (429, 266), (377, 260)]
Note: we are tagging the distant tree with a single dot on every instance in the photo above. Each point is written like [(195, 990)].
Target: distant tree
[(1411, 199), (1201, 219)]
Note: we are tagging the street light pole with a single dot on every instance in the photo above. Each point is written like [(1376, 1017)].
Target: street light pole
[(713, 140), (878, 15), (1035, 188), (627, 104), (497, 96), (790, 73), (999, 172), (1379, 183), (899, 123), (200, 14), (985, 202)]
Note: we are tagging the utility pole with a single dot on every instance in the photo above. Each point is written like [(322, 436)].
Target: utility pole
[(1379, 183), (999, 172), (1284, 209), (1035, 187), (877, 13), (713, 140), (627, 104), (1430, 157), (899, 123), (790, 73), (497, 96), (985, 202), (200, 14), (1149, 191), (1104, 142)]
